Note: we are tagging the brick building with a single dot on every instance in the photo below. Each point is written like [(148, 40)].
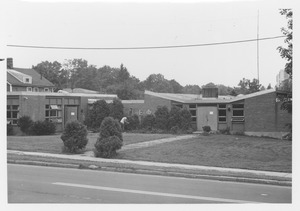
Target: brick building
[(257, 114), (55, 107)]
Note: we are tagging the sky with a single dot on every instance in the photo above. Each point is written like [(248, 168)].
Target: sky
[(131, 24)]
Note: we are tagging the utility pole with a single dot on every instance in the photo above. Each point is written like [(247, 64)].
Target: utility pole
[(257, 46)]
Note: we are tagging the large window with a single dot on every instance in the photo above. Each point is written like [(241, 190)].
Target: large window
[(238, 113), (222, 113), (192, 109), (12, 111), (53, 110)]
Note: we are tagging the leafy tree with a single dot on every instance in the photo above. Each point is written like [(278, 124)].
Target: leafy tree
[(247, 86), (148, 121), (53, 72), (116, 109), (176, 87), (192, 89), (287, 53), (157, 83), (99, 111)]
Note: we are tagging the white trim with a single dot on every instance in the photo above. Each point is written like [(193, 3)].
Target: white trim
[(29, 89)]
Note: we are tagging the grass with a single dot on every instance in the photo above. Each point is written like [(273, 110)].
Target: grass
[(229, 151), (53, 144)]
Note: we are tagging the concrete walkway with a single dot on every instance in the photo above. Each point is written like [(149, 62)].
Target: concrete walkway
[(156, 164), (155, 142)]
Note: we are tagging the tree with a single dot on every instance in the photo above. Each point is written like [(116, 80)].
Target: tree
[(53, 72), (176, 87), (287, 53), (192, 89), (158, 83), (247, 86), (95, 116)]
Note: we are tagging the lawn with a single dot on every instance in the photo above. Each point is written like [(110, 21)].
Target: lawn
[(228, 151), (53, 144)]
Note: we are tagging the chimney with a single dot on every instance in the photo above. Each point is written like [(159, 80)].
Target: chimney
[(210, 92), (9, 62)]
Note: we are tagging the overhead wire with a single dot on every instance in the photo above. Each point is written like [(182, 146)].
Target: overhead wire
[(142, 47)]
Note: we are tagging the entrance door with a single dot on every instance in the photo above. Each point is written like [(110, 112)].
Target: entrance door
[(71, 113), (207, 116)]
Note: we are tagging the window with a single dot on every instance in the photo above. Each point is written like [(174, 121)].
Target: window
[(130, 111), (36, 89), (29, 89), (53, 110), (12, 111), (27, 80), (238, 113), (46, 89), (193, 111), (222, 113)]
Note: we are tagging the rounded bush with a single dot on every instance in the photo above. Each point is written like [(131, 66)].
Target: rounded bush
[(161, 118), (42, 128), (148, 122), (25, 124), (133, 122), (74, 136), (110, 138), (107, 147)]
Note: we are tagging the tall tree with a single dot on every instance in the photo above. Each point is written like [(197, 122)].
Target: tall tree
[(287, 54), (53, 72), (158, 83), (176, 87)]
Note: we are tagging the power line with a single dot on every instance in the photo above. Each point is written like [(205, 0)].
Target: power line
[(144, 47)]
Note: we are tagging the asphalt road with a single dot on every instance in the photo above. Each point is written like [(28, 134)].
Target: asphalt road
[(36, 184)]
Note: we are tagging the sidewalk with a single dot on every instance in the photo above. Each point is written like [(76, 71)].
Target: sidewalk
[(228, 174)]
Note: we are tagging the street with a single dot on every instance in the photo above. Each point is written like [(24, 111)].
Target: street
[(36, 184)]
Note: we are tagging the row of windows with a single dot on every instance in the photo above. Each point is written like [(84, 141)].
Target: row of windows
[(36, 89)]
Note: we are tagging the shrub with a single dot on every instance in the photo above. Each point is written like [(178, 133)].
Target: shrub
[(174, 118), (42, 128), (206, 128), (10, 130), (225, 131), (133, 122), (25, 123), (181, 120), (161, 118), (116, 109), (107, 147), (110, 138), (185, 120), (95, 116), (148, 122), (74, 136)]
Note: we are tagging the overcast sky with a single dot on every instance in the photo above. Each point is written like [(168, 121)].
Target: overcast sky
[(121, 25)]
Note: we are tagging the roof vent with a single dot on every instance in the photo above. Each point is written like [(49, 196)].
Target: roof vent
[(210, 92)]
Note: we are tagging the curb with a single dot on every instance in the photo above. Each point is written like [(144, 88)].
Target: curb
[(157, 172)]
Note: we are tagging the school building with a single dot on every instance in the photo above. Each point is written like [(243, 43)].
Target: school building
[(256, 114)]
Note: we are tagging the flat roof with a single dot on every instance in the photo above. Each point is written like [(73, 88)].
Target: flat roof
[(191, 98), (61, 94)]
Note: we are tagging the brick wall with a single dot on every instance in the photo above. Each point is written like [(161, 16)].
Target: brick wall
[(152, 102), (263, 114)]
